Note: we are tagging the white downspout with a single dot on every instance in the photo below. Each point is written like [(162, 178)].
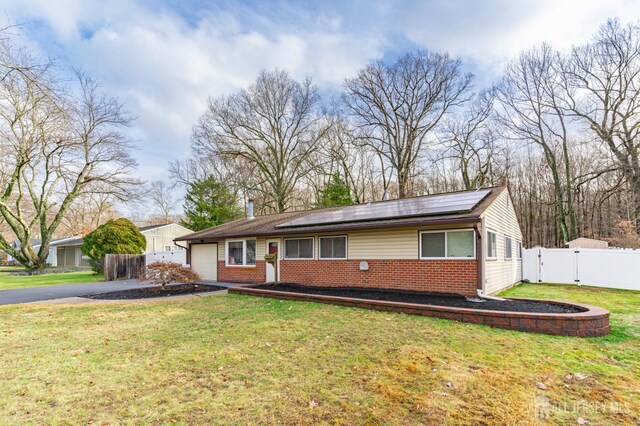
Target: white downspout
[(483, 265)]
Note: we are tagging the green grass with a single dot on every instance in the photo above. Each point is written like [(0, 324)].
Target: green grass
[(10, 282), (243, 360)]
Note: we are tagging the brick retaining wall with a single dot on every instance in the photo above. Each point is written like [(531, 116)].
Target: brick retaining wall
[(594, 321)]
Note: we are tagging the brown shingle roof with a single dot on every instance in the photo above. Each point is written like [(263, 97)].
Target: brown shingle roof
[(266, 225)]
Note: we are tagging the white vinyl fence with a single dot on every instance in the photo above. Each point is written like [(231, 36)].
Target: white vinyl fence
[(179, 256), (594, 267)]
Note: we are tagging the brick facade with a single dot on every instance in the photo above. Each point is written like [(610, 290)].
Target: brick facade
[(242, 274), (438, 276)]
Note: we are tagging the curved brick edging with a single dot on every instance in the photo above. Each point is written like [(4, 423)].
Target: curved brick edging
[(593, 322)]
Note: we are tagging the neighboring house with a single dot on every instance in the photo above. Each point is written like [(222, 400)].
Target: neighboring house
[(159, 239), (16, 245), (66, 256), (457, 242), (66, 253), (588, 243)]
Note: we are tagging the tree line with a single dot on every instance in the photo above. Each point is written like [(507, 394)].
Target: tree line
[(560, 129)]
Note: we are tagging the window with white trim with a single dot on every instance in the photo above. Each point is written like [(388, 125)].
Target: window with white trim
[(241, 252), (508, 250), (333, 247), (455, 244), (492, 247), (298, 248), (519, 249)]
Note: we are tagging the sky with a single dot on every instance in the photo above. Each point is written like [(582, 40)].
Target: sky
[(164, 58)]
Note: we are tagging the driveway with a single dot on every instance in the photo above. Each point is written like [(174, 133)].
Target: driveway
[(51, 292)]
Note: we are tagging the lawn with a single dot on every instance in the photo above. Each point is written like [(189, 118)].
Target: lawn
[(237, 360), (10, 282)]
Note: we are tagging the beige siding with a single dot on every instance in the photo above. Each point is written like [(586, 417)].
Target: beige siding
[(500, 217), (392, 243), (396, 243), (158, 238), (260, 249)]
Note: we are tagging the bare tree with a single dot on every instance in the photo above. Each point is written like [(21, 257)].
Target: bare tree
[(88, 211), (56, 146), (531, 94), (162, 198), (274, 125), (399, 105), (471, 142), (606, 78)]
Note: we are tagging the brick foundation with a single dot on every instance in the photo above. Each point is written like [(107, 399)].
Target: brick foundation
[(593, 322), (437, 276), (242, 274)]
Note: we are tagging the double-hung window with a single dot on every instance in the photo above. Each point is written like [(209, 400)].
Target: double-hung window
[(333, 247), (508, 250), (241, 252), (456, 244), (492, 247), (298, 248)]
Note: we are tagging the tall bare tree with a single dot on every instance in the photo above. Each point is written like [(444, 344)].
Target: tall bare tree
[(162, 198), (606, 76), (56, 146), (275, 125), (531, 94), (400, 105), (471, 141)]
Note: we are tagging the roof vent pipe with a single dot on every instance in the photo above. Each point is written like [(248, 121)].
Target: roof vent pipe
[(250, 209)]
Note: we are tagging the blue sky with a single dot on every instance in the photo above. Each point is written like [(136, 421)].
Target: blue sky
[(164, 58)]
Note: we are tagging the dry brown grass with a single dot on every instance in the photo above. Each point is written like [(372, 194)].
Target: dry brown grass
[(243, 360)]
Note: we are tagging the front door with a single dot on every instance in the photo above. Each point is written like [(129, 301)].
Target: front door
[(273, 246)]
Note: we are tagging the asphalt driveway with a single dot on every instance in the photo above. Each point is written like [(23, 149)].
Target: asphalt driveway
[(51, 292)]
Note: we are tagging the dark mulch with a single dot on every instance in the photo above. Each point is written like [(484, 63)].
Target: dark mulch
[(427, 299), (156, 291)]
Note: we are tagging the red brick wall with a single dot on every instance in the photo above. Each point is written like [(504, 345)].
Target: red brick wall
[(439, 276), (242, 274)]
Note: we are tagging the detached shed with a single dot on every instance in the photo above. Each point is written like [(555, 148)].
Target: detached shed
[(588, 243)]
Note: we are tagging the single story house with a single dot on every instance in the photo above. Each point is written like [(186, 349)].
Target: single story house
[(588, 243), (461, 242), (159, 239)]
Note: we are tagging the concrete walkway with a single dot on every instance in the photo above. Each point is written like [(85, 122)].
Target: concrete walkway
[(64, 291)]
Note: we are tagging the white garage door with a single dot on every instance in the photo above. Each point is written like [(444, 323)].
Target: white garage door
[(204, 261)]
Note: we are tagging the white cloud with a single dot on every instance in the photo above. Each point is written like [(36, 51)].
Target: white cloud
[(490, 32), (164, 67), (164, 64)]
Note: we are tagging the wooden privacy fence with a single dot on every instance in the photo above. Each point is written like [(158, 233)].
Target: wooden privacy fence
[(123, 266)]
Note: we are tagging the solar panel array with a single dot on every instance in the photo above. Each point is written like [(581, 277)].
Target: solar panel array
[(412, 207)]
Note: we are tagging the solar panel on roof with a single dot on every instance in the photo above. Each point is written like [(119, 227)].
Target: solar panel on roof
[(411, 207)]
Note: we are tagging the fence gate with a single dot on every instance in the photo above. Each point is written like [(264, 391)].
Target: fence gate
[(595, 267), (123, 266)]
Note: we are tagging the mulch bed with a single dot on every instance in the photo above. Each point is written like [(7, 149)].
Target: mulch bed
[(510, 305), (156, 291)]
